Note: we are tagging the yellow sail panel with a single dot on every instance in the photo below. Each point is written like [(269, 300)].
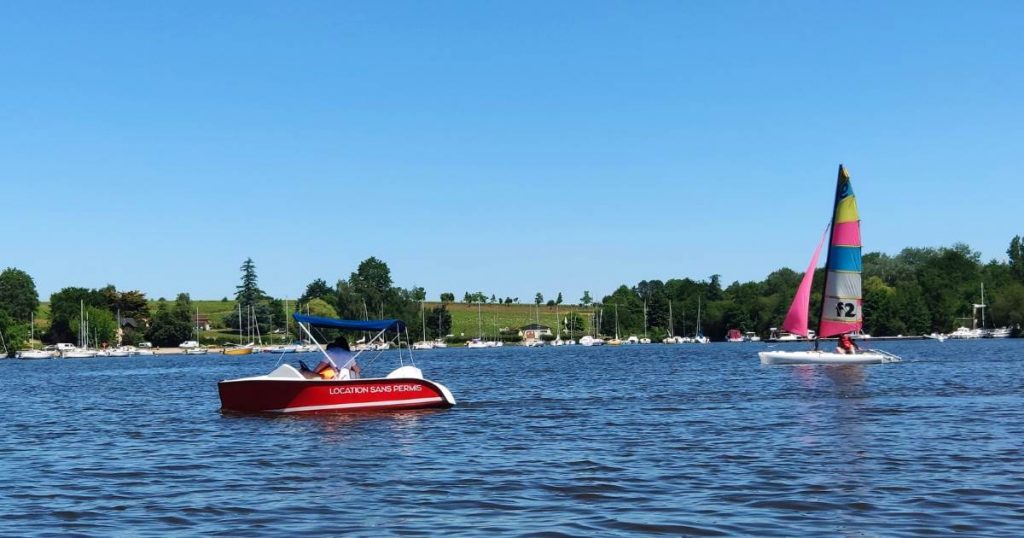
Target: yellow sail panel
[(846, 210)]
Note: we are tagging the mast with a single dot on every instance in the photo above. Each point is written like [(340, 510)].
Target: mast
[(616, 321), (645, 318), (423, 316), (983, 305), (670, 328), (697, 330), (558, 323), (828, 255), (239, 323)]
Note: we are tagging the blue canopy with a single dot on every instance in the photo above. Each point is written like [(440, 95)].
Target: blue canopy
[(351, 324)]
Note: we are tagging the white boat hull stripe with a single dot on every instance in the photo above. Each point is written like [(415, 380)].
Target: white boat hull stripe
[(357, 405)]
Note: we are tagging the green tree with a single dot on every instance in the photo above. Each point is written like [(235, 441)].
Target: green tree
[(538, 299), (1008, 306), (257, 313), (101, 324), (18, 296), (320, 307), (67, 305), (13, 335), (173, 323), (1016, 254), (248, 292), (559, 299), (131, 304), (439, 322), (586, 299), (447, 297), (573, 325), (318, 289)]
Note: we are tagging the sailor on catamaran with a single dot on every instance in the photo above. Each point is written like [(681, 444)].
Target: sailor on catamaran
[(846, 345)]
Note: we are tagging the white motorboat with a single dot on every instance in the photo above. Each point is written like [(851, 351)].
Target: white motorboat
[(631, 341), (963, 333), (423, 345), (476, 343), (751, 336), (70, 351), (197, 351), (1001, 332), (284, 348), (440, 344)]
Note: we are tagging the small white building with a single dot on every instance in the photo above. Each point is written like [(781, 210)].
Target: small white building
[(534, 332)]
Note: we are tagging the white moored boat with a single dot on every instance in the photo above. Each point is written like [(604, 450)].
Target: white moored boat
[(842, 303), (36, 354)]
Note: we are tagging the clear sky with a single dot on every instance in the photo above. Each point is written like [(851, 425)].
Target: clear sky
[(508, 147)]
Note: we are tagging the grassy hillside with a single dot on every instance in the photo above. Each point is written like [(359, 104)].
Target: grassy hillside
[(494, 317)]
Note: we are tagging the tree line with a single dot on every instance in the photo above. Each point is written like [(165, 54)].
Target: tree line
[(918, 291)]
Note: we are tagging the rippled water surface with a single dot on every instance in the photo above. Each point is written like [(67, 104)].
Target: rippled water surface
[(677, 440)]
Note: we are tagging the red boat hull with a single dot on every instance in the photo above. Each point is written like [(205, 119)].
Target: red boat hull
[(319, 396)]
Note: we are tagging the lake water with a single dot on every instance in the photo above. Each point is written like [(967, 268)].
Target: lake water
[(675, 440)]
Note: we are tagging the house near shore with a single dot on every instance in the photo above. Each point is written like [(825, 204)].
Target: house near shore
[(534, 332), (203, 321)]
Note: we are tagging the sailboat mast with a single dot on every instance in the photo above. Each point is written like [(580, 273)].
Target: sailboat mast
[(670, 327), (616, 321), (828, 255), (983, 305)]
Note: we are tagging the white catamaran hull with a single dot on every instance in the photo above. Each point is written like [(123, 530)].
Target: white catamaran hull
[(825, 357)]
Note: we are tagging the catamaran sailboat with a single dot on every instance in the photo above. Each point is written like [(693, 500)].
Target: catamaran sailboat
[(842, 303), (287, 390)]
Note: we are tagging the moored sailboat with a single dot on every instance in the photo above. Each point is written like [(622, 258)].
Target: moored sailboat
[(842, 302)]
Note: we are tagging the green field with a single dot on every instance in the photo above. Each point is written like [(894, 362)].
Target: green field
[(494, 317)]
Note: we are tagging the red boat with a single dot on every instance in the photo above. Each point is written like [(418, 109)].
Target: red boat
[(335, 385)]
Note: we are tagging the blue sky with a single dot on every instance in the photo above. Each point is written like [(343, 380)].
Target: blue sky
[(508, 147)]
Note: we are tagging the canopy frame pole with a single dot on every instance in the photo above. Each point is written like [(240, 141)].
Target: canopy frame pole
[(318, 346)]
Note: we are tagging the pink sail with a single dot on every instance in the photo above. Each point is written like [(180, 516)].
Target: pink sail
[(796, 319)]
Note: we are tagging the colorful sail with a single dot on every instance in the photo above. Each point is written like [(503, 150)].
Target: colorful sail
[(842, 305), (796, 318)]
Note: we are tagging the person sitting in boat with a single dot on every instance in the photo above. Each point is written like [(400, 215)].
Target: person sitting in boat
[(340, 353), (846, 345)]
